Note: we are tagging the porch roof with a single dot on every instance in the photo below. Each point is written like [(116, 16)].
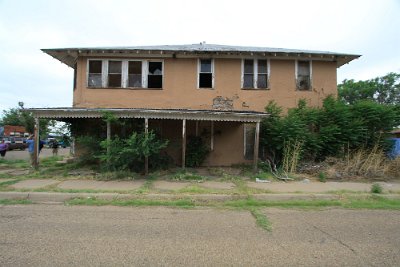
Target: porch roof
[(173, 114)]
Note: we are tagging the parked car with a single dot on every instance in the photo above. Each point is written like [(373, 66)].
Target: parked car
[(15, 143)]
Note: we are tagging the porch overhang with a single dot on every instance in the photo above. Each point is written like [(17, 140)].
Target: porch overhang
[(171, 114)]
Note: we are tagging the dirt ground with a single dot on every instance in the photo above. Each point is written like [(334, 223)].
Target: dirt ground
[(46, 152)]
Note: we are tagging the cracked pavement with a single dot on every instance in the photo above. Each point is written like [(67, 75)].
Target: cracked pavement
[(57, 235)]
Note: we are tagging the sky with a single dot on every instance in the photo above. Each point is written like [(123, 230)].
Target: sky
[(370, 28)]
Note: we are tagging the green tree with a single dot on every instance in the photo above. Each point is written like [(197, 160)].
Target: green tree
[(21, 117), (383, 90)]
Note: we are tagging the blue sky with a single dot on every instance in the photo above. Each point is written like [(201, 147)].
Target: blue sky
[(366, 27)]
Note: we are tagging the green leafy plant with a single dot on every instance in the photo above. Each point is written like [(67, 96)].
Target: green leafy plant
[(376, 188), (129, 153), (196, 151), (322, 177)]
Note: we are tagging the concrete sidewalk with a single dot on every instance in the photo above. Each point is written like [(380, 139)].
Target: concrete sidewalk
[(163, 189)]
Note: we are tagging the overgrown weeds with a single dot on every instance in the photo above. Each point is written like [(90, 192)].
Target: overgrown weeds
[(368, 163)]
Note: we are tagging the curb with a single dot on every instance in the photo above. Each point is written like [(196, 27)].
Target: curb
[(59, 198)]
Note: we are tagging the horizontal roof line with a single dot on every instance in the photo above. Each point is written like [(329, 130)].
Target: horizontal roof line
[(207, 115)]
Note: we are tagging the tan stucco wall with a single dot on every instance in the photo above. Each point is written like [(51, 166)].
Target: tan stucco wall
[(180, 87), (228, 140)]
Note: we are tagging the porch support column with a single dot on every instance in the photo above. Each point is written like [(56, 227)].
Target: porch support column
[(36, 140), (146, 158), (256, 144), (212, 136), (183, 143), (108, 136)]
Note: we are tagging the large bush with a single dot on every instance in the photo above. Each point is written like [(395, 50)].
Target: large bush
[(331, 130), (128, 154)]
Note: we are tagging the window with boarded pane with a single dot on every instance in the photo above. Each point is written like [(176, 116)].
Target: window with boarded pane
[(135, 74), (95, 73), (303, 75), (155, 75), (115, 73), (206, 73), (248, 73), (262, 76)]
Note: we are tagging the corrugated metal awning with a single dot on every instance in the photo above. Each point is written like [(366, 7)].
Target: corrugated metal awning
[(172, 114)]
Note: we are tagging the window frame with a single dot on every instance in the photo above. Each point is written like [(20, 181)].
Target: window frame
[(88, 73), (126, 71), (256, 73), (124, 74), (147, 73), (212, 73), (297, 75)]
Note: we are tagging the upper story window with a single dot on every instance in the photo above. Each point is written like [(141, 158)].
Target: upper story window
[(125, 73), (135, 74), (114, 74), (206, 73), (155, 75), (255, 73), (303, 75), (95, 73)]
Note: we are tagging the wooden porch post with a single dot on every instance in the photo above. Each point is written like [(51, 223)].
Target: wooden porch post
[(146, 158), (256, 145), (36, 144), (183, 143), (212, 136)]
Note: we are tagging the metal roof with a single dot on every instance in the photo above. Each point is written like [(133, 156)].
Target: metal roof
[(173, 114), (70, 55)]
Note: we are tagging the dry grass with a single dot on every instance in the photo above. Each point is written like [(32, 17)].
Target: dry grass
[(291, 156), (370, 164)]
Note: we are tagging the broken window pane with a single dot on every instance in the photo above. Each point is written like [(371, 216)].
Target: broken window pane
[(94, 80), (154, 79), (262, 81), (135, 74), (155, 68), (135, 80), (248, 81), (205, 65), (205, 80)]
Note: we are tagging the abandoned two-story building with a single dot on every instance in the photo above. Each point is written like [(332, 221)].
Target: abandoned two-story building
[(216, 91)]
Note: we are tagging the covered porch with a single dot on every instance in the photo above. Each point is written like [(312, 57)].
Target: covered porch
[(226, 129)]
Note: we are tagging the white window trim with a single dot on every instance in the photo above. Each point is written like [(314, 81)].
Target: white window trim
[(124, 74), (212, 73), (255, 73), (296, 67)]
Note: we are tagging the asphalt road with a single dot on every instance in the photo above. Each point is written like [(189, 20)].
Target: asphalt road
[(55, 235)]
